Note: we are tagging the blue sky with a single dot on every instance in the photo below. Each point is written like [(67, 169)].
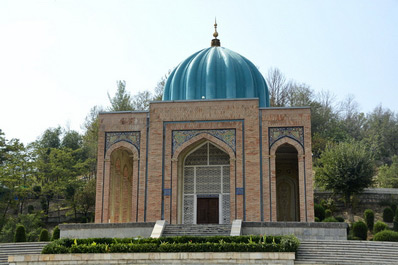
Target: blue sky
[(60, 58)]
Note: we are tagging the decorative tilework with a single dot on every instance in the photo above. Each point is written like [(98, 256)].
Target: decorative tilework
[(239, 191), (115, 137), (167, 192), (225, 135), (277, 133)]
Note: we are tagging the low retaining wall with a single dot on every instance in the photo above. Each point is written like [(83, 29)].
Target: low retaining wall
[(371, 196), (210, 258), (303, 231), (106, 230)]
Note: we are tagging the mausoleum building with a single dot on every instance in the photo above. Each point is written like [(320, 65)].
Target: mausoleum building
[(211, 151)]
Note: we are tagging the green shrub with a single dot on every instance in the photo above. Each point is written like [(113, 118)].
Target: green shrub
[(360, 229), (56, 233), (175, 244), (388, 215), (395, 222), (44, 235), (31, 208), (319, 211), (340, 219), (369, 217), (379, 226), (386, 235), (351, 237), (20, 234), (330, 220), (394, 208), (328, 213), (317, 219)]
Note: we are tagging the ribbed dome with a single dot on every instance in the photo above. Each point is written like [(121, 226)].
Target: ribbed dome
[(216, 73)]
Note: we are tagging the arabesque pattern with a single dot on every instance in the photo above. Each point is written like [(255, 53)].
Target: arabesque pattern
[(115, 137), (228, 136)]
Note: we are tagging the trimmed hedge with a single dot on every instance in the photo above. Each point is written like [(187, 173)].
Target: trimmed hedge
[(360, 229), (395, 222), (340, 219), (379, 226), (330, 220), (388, 215), (369, 217), (44, 236), (56, 233), (20, 234), (319, 211), (174, 244), (386, 235)]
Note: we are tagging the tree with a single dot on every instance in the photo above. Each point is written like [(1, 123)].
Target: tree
[(345, 168), (158, 94), (278, 88), (15, 176), (121, 101), (352, 120), (141, 100), (85, 198), (387, 176), (90, 140), (380, 133)]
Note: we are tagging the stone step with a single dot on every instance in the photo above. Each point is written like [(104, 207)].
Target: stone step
[(197, 230), (7, 249), (347, 253)]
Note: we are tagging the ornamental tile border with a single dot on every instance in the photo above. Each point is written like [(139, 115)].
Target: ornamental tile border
[(228, 136), (112, 138), (277, 133)]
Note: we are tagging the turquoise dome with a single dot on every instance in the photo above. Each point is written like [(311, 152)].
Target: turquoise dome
[(216, 73)]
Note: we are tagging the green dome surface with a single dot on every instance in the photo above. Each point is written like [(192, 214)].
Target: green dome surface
[(216, 73)]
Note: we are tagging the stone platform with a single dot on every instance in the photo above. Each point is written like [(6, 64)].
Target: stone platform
[(303, 231)]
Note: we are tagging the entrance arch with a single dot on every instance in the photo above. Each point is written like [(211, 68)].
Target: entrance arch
[(287, 179), (205, 185)]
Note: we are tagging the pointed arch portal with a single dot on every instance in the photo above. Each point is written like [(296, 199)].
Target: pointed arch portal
[(205, 189)]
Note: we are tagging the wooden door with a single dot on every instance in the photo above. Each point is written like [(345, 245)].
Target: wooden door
[(207, 211)]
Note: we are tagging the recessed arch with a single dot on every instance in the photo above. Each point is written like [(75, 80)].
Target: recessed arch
[(204, 172), (121, 182), (300, 191), (287, 179)]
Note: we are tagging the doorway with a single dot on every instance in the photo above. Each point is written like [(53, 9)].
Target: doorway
[(207, 211)]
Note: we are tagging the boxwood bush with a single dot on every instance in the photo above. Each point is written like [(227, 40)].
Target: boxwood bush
[(388, 215), (369, 217), (330, 219), (386, 235), (360, 229), (319, 211), (175, 244), (379, 226)]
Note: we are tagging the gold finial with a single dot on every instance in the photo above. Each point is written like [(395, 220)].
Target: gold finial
[(215, 34), (215, 42)]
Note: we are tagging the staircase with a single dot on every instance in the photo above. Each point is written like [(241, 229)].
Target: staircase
[(26, 248), (197, 230), (347, 253)]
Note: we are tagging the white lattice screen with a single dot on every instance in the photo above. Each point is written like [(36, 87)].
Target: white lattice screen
[(206, 173)]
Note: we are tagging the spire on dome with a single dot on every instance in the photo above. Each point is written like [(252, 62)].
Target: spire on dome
[(215, 42)]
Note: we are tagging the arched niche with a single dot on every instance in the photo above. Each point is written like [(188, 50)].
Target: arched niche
[(121, 169), (287, 183)]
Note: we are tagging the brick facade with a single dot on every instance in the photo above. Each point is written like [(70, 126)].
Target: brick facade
[(238, 127)]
